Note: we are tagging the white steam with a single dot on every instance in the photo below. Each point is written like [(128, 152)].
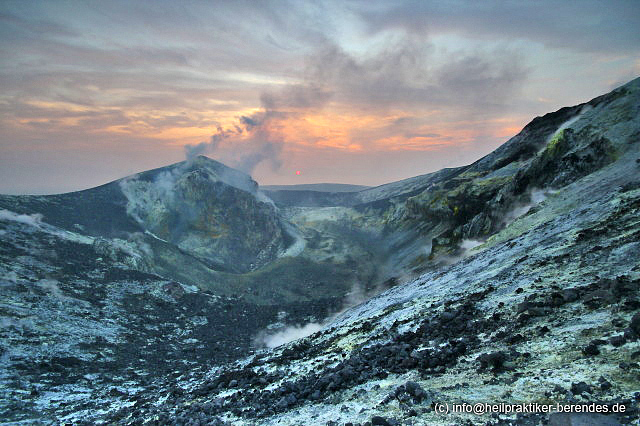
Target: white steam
[(51, 286), (249, 142), (536, 196), (465, 249), (10, 277), (290, 334), (356, 296), (262, 197), (258, 138), (298, 245), (143, 196), (35, 220), (468, 245), (165, 182), (27, 219), (137, 239)]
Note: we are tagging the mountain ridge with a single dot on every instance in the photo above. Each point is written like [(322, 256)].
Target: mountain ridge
[(320, 187)]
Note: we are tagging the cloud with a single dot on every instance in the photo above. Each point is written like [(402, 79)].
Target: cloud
[(13, 25), (560, 25), (397, 76), (139, 81), (406, 73)]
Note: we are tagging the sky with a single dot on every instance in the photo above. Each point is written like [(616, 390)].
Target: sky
[(361, 92)]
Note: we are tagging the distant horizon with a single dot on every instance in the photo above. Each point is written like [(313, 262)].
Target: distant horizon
[(293, 184), (361, 93)]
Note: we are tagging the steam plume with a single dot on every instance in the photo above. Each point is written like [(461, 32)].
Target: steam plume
[(291, 333), (254, 138)]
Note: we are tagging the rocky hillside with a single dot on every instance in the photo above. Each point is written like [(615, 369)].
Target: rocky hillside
[(512, 280), (545, 311)]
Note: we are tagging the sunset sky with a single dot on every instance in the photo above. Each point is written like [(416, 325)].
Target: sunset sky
[(363, 92)]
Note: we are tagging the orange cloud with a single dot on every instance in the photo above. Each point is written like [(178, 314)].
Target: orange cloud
[(336, 127), (357, 131)]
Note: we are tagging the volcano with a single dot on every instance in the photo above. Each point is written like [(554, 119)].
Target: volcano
[(156, 298)]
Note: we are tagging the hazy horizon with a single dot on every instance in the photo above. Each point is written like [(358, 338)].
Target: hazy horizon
[(361, 93)]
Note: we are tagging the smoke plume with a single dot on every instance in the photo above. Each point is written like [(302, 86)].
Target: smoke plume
[(257, 138), (399, 75)]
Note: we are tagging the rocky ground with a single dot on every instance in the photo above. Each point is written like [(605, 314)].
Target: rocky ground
[(546, 312), (511, 280), (83, 327)]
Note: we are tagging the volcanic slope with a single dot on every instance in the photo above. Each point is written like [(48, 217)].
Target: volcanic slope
[(545, 310), (515, 278)]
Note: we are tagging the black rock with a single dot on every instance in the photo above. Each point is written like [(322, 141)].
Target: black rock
[(448, 316), (415, 390), (570, 295), (381, 421), (516, 338), (558, 389), (116, 392), (493, 360), (522, 307), (631, 305), (582, 419), (618, 340), (591, 350), (580, 388), (635, 324), (536, 312), (291, 399), (282, 404)]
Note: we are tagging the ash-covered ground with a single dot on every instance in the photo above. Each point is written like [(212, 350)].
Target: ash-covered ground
[(512, 280)]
